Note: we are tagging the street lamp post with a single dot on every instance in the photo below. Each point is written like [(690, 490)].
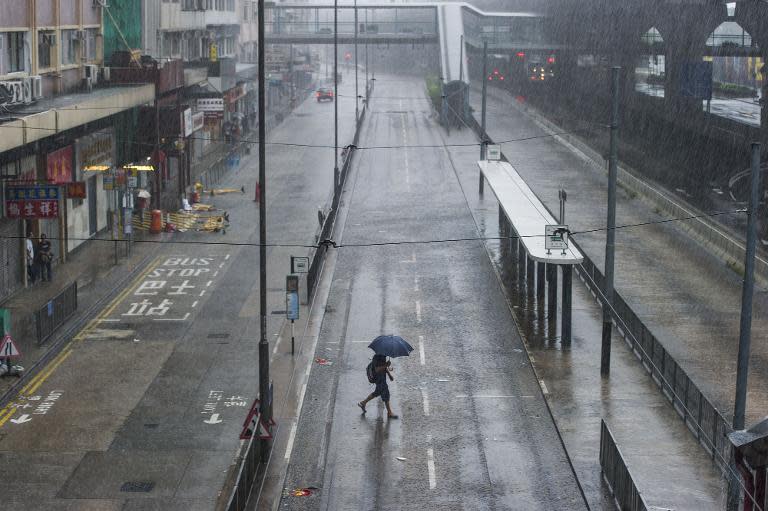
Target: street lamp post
[(264, 408), (357, 94), (335, 96)]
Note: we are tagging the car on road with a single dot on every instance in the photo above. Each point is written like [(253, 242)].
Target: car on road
[(324, 94)]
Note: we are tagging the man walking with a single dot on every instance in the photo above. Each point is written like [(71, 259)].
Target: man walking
[(382, 369), (30, 251), (44, 251)]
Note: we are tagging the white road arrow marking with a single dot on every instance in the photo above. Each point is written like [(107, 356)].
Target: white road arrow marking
[(214, 419), (22, 419)]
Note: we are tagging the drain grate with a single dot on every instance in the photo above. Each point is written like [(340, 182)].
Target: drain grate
[(138, 486), (151, 426), (219, 335)]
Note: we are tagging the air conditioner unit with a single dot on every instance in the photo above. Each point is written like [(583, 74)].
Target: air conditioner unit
[(37, 86), (26, 88), (87, 84), (14, 91), (105, 74), (92, 73)]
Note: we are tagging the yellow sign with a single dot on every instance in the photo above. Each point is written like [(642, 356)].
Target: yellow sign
[(139, 168), (214, 52), (96, 168)]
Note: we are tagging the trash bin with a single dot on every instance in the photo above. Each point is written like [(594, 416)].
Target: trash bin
[(156, 226)]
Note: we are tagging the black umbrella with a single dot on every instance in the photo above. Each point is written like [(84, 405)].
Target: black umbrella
[(391, 346)]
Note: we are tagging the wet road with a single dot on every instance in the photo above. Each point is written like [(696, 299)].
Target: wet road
[(142, 410), (474, 431)]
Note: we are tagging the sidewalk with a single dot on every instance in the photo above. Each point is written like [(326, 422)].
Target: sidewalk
[(93, 267), (668, 465)]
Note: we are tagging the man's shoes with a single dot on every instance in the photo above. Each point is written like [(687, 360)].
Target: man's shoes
[(392, 416), (362, 406)]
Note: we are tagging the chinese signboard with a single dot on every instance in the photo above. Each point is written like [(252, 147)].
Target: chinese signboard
[(76, 190), (95, 151), (59, 166), (35, 201), (198, 121), (186, 118), (210, 104)]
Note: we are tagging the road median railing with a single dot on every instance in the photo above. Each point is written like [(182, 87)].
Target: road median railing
[(55, 313), (617, 475), (329, 217), (250, 461)]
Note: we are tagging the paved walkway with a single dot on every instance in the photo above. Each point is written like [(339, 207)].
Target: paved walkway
[(669, 466)]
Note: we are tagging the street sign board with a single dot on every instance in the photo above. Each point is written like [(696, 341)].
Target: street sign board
[(299, 264), (8, 348), (494, 152), (292, 297), (556, 237)]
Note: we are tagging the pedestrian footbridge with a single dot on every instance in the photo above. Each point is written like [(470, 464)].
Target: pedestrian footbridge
[(456, 27)]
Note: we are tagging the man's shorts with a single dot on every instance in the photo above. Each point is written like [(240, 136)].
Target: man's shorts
[(382, 390)]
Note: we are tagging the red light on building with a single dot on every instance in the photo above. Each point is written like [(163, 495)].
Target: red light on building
[(551, 59), (521, 54)]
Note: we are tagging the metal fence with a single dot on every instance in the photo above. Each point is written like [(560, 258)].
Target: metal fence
[(704, 421), (616, 473), (249, 469), (54, 313), (326, 230)]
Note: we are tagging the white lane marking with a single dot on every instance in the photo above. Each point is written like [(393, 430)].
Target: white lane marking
[(418, 311), (215, 273), (221, 265), (208, 284), (544, 387), (202, 292), (416, 284), (486, 396), (425, 402), (431, 468), (279, 338), (194, 304), (226, 257), (301, 399), (186, 316), (291, 438), (309, 368), (422, 358), (110, 320)]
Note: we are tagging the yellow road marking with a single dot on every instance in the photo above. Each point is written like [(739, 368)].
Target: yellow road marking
[(31, 387), (48, 373), (42, 372), (3, 420)]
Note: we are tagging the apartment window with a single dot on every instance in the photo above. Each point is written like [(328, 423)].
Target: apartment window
[(69, 47), (91, 36), (245, 11), (219, 5), (13, 55), (231, 5), (255, 11), (46, 47)]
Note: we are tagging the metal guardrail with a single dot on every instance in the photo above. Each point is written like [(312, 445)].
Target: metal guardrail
[(317, 257), (704, 421), (249, 469), (58, 310), (616, 474)]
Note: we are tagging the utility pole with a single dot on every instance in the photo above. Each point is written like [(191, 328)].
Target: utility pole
[(610, 240), (366, 56), (745, 325), (483, 146), (335, 97), (357, 94), (264, 408)]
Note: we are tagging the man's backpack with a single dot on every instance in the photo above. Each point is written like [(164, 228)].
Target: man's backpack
[(370, 372)]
